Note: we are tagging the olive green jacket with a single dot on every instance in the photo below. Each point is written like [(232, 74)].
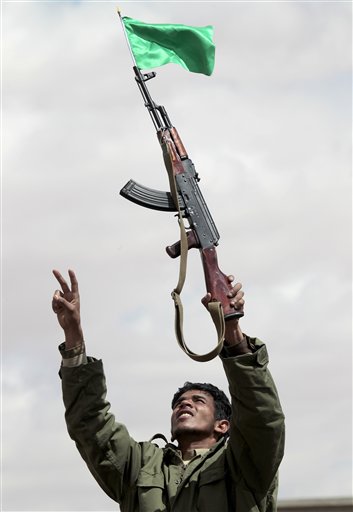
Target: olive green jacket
[(238, 474)]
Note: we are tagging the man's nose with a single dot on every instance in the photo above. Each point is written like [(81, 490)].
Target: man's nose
[(185, 402)]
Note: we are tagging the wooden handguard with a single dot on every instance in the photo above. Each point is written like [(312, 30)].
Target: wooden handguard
[(178, 143)]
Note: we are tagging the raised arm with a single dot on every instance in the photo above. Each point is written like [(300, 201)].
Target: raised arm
[(256, 444), (257, 427), (112, 456)]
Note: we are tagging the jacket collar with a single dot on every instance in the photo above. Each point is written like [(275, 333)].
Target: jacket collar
[(172, 455)]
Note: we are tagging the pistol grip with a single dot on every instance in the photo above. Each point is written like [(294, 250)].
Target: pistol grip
[(174, 250)]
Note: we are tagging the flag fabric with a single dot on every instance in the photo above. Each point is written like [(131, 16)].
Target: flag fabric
[(154, 45)]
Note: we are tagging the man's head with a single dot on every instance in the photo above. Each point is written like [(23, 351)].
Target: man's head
[(200, 410)]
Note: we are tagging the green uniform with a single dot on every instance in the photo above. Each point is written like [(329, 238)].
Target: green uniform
[(238, 474)]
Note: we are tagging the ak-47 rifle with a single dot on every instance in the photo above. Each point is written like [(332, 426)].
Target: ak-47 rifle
[(185, 197)]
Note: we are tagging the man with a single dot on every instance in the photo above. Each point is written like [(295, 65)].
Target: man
[(226, 458)]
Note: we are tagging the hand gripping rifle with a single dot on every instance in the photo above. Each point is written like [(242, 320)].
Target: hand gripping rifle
[(186, 199)]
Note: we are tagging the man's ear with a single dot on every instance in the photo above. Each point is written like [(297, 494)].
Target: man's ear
[(221, 427)]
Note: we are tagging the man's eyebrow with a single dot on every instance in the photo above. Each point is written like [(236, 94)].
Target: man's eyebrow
[(201, 394)]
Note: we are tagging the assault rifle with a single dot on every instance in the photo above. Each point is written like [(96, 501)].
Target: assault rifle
[(185, 197)]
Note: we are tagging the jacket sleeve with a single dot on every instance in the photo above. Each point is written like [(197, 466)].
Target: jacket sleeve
[(256, 442), (111, 455)]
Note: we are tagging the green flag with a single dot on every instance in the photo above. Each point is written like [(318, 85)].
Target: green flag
[(154, 45)]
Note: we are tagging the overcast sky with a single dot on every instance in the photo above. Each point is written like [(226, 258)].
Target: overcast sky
[(270, 135)]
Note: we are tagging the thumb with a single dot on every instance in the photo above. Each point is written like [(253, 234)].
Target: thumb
[(60, 302), (206, 299), (56, 301)]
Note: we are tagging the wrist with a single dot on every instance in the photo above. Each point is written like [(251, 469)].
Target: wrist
[(73, 337), (233, 333), (237, 349)]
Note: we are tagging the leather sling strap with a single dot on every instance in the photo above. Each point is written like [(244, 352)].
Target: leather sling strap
[(215, 308)]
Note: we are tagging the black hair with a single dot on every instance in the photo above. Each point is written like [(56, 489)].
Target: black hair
[(223, 408)]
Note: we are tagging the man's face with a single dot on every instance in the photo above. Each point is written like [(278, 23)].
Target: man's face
[(193, 414)]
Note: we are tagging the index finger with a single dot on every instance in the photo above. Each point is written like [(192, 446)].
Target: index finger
[(64, 286)]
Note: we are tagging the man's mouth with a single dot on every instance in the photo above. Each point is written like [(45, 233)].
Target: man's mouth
[(184, 414)]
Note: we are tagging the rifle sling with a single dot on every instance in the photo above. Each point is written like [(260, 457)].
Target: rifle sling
[(215, 308)]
